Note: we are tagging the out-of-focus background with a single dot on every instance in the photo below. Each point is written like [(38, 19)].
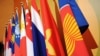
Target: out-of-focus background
[(90, 9)]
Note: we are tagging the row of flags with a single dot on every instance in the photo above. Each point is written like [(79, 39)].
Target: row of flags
[(37, 34)]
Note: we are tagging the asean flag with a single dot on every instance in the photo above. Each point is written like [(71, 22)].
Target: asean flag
[(83, 26), (75, 45), (52, 38)]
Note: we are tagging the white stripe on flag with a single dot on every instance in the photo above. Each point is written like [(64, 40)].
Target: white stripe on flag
[(36, 20)]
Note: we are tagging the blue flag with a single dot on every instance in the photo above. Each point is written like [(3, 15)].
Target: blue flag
[(81, 21)]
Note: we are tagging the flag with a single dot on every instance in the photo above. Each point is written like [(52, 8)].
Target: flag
[(5, 42), (52, 38), (60, 27), (11, 46), (89, 41), (81, 21), (29, 39), (23, 33), (6, 37), (17, 35), (8, 48), (75, 45), (5, 45), (83, 25), (12, 40), (38, 32), (9, 33)]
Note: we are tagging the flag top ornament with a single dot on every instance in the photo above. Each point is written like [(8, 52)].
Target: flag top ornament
[(72, 35)]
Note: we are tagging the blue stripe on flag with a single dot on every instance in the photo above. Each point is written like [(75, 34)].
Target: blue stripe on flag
[(39, 42)]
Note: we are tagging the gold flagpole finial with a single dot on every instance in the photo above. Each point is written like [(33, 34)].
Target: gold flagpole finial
[(22, 3)]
